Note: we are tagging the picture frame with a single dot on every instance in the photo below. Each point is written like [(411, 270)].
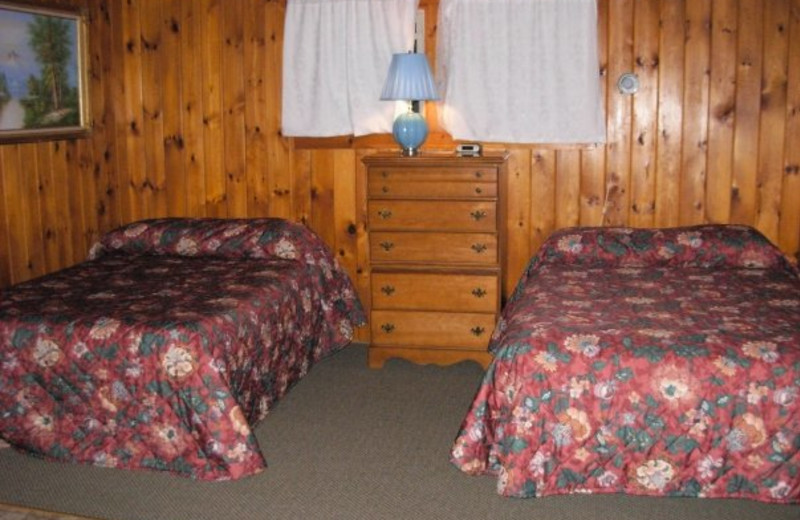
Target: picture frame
[(43, 73)]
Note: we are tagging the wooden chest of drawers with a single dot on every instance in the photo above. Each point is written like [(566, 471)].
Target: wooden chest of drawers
[(435, 227)]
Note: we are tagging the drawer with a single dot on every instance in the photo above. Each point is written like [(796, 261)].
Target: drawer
[(435, 183), (440, 248), (433, 215), (432, 329), (435, 292)]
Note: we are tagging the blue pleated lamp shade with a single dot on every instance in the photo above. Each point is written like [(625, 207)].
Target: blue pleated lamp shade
[(409, 79)]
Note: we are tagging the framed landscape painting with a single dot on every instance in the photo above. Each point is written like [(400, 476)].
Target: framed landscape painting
[(42, 73)]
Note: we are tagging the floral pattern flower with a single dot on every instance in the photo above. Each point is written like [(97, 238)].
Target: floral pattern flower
[(764, 350), (46, 353), (586, 344), (655, 475)]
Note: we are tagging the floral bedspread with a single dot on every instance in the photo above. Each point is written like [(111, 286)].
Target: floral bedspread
[(648, 362), (165, 348)]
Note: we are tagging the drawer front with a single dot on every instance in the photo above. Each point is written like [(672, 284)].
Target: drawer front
[(433, 215), (435, 183), (440, 248), (432, 329), (435, 292)]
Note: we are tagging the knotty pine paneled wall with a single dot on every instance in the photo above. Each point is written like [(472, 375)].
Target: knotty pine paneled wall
[(185, 101)]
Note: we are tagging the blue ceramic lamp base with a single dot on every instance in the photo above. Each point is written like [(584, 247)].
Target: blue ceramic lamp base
[(410, 130)]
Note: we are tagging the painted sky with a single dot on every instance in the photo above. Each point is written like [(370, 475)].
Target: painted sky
[(17, 60)]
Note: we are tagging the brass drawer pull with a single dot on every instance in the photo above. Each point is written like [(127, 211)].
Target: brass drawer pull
[(388, 290), (385, 213), (388, 328), (478, 292), (479, 248), (387, 246), (477, 215), (477, 331)]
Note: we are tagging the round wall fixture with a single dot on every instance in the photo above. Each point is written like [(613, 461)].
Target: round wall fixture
[(628, 83)]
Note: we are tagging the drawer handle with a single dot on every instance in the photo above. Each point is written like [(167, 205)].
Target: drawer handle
[(477, 215), (388, 290), (385, 189), (477, 331), (478, 292), (387, 246), (479, 248), (478, 174), (478, 190), (385, 213), (388, 328)]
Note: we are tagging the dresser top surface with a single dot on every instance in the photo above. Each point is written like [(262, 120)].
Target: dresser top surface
[(434, 159)]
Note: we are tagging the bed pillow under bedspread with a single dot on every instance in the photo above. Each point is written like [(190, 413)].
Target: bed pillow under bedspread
[(655, 362), (152, 358)]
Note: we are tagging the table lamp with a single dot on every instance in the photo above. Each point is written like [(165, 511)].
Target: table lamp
[(409, 80)]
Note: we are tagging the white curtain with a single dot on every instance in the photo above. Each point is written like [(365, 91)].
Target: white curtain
[(520, 71), (335, 58)]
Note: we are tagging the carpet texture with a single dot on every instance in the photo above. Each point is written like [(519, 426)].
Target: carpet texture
[(346, 443)]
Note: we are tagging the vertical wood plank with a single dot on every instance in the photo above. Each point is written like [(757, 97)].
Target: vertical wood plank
[(643, 167), (52, 225), (255, 67), (362, 278), (215, 184), (543, 191), (619, 116), (518, 218), (16, 209), (282, 190), (233, 108), (31, 213), (303, 189), (670, 114), (322, 182), (75, 203), (593, 179), (62, 185), (192, 93), (88, 189), (748, 107), (568, 188), (6, 277), (773, 117), (153, 188), (344, 211), (790, 192), (722, 110), (136, 188), (176, 189), (125, 194), (695, 105), (107, 212)]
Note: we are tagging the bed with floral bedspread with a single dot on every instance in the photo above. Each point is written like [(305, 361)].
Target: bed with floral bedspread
[(648, 362), (166, 347)]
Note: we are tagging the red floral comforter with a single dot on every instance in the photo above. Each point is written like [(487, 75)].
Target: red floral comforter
[(165, 349), (645, 362)]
